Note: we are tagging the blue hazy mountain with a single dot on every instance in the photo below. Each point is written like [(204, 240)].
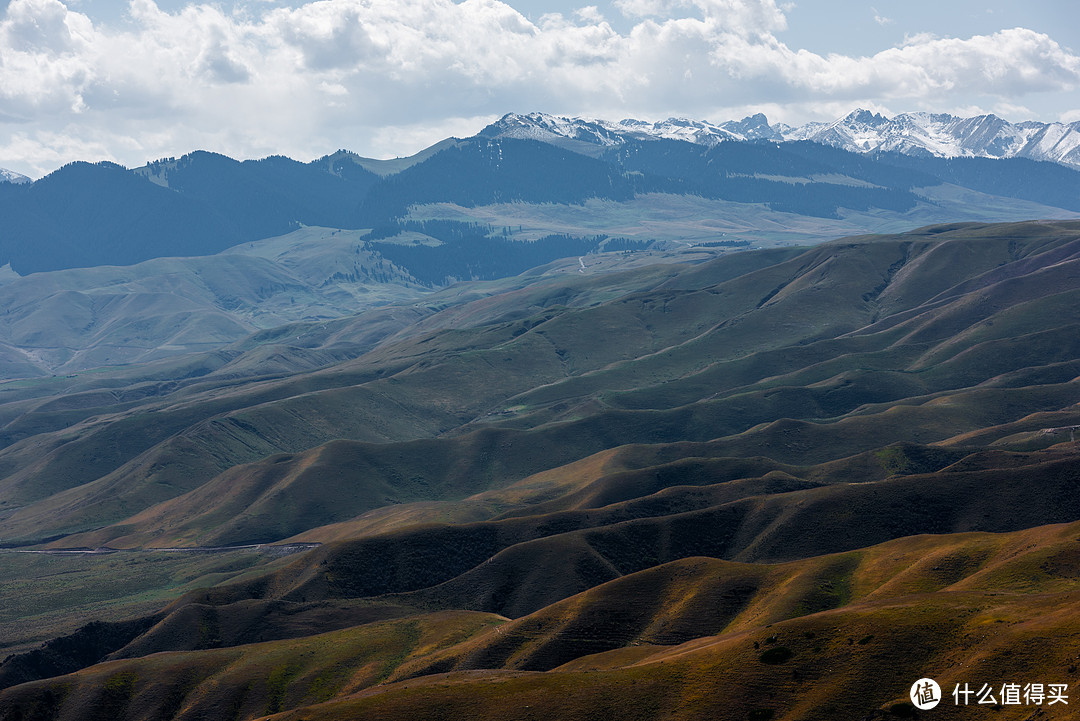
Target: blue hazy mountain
[(85, 215)]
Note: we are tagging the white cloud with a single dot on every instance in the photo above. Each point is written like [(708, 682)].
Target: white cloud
[(405, 139), (740, 16), (1009, 63), (1070, 116), (1011, 111), (376, 75), (879, 18), (589, 14)]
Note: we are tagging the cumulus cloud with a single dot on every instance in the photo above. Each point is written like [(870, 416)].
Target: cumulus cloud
[(377, 76), (738, 16)]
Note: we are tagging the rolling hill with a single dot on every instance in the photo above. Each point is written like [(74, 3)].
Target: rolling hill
[(70, 320), (779, 484)]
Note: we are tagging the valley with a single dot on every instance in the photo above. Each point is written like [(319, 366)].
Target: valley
[(777, 483), (507, 360)]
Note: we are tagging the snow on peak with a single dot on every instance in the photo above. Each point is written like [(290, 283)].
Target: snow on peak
[(920, 133), (10, 176), (541, 126), (944, 135)]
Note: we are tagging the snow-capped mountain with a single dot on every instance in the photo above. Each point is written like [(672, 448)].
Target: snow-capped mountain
[(943, 135), (556, 129), (10, 176), (938, 134)]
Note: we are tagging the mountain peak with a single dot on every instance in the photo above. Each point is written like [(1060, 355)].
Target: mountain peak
[(861, 130), (559, 129), (10, 176), (753, 127), (864, 116)]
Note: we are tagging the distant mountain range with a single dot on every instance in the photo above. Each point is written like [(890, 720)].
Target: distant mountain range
[(525, 192), (526, 178), (10, 176), (920, 134), (861, 131)]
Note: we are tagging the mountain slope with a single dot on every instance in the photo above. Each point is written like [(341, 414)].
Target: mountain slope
[(844, 348), (944, 135), (73, 320), (734, 488), (759, 185), (691, 639), (10, 176), (86, 215)]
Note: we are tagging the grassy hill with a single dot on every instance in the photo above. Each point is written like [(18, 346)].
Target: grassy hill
[(73, 320), (774, 485), (833, 636)]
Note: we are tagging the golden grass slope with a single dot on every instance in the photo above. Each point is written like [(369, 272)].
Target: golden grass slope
[(840, 636), (244, 681)]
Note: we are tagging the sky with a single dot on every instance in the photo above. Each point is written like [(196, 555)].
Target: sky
[(132, 82)]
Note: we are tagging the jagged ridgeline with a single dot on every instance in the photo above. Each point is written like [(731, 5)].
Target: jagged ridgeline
[(473, 251)]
